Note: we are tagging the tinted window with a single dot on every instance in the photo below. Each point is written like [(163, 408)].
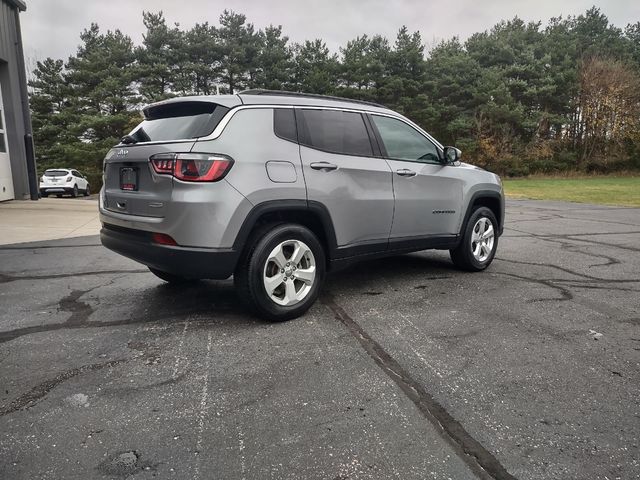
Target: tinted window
[(56, 173), (404, 142), (284, 124), (336, 131), (177, 121)]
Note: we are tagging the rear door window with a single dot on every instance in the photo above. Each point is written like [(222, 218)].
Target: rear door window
[(178, 121), (335, 131)]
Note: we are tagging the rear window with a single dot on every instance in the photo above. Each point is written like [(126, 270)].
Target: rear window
[(336, 131), (178, 121), (56, 173)]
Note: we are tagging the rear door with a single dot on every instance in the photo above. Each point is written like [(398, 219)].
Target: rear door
[(428, 195), (342, 173), (79, 179), (131, 187)]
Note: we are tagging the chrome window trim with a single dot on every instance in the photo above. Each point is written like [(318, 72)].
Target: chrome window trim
[(230, 114), (227, 118)]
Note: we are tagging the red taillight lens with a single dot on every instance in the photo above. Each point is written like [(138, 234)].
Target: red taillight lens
[(163, 239), (163, 163), (192, 167), (69, 179)]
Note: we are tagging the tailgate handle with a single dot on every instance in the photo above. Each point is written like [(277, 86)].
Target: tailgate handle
[(324, 166)]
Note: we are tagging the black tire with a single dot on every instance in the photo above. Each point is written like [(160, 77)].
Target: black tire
[(44, 194), (170, 277), (74, 192), (249, 274), (87, 191), (58, 195), (462, 256)]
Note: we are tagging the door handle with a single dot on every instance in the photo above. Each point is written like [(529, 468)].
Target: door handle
[(405, 172), (324, 166)]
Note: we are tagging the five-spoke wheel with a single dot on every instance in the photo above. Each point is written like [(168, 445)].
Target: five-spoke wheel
[(281, 272), (479, 241), (289, 272)]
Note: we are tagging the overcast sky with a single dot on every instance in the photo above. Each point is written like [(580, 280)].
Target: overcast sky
[(52, 28)]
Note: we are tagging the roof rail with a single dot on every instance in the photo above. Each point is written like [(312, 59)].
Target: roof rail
[(283, 93)]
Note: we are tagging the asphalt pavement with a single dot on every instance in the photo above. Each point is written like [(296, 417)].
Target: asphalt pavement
[(406, 368)]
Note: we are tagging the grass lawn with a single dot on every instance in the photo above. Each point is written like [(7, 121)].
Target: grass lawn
[(600, 190)]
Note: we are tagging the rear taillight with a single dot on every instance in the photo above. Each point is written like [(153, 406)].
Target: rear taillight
[(192, 167), (69, 179)]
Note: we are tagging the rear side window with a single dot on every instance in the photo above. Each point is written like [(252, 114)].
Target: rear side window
[(179, 121), (335, 131), (284, 124)]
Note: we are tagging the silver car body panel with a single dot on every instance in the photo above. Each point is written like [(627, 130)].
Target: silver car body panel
[(367, 202)]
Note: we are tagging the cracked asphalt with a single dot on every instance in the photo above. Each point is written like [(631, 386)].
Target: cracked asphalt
[(406, 368)]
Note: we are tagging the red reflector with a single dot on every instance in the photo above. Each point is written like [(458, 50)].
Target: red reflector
[(163, 239)]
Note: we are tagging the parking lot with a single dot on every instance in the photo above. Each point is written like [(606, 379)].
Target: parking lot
[(406, 368)]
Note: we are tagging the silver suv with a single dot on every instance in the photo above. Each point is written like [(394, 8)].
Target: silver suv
[(277, 188)]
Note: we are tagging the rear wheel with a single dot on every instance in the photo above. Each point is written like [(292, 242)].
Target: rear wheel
[(479, 241), (87, 191), (281, 274), (58, 195), (74, 192), (170, 277), (44, 194)]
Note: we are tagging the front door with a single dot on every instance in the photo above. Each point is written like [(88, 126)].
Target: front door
[(428, 193), (6, 181)]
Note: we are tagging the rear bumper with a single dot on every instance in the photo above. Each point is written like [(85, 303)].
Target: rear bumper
[(188, 262), (56, 189)]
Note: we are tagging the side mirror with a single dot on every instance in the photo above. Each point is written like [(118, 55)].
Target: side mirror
[(452, 154)]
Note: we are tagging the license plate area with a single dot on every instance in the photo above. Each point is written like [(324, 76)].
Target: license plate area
[(129, 179)]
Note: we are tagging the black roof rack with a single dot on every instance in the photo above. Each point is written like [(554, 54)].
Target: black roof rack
[(283, 93)]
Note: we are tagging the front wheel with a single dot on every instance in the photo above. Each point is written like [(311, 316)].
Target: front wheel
[(479, 241), (281, 274)]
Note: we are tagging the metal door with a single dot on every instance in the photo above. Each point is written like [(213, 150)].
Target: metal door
[(6, 181), (356, 189)]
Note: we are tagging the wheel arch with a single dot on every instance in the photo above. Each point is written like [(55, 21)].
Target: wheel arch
[(491, 199), (313, 215)]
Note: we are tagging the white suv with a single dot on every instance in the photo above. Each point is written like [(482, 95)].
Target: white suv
[(59, 181)]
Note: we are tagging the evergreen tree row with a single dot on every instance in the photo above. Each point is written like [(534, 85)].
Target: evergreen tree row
[(518, 99)]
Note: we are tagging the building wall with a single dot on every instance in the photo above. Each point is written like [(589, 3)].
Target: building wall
[(11, 95)]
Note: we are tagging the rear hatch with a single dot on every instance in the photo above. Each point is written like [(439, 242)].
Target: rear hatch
[(131, 186), (55, 177)]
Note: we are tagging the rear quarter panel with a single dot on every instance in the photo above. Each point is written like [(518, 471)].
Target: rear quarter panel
[(249, 139)]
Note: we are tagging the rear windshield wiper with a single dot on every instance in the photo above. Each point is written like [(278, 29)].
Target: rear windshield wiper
[(128, 139)]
